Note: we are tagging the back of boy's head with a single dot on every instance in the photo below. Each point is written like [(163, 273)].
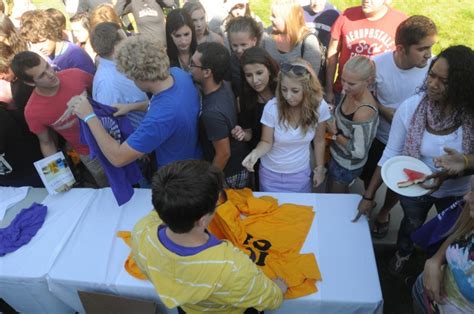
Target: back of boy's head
[(185, 191), (104, 38)]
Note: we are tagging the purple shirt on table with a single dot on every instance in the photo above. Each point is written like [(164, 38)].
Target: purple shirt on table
[(22, 229)]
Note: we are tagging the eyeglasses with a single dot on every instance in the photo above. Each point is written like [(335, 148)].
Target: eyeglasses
[(297, 69), (192, 65)]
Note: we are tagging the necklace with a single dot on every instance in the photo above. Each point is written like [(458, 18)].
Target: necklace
[(262, 99), (184, 64)]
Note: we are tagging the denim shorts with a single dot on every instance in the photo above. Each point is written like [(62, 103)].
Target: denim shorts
[(342, 175)]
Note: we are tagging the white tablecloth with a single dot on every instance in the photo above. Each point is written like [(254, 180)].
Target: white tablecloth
[(344, 254), (9, 196), (93, 258), (23, 273)]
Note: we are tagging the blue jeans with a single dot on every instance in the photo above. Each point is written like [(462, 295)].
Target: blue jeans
[(342, 175), (415, 210)]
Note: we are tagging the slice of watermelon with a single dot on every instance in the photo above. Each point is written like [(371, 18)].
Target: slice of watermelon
[(414, 177)]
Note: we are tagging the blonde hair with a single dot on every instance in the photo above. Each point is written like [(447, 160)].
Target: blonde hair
[(104, 13), (362, 66), (143, 59), (292, 14), (464, 225), (312, 96)]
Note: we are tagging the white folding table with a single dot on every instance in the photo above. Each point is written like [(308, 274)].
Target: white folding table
[(94, 257)]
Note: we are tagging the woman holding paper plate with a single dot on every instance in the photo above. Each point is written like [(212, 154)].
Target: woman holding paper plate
[(440, 115)]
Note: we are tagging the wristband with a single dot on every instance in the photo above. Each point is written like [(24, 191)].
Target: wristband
[(367, 198), (87, 118), (466, 161), (320, 169)]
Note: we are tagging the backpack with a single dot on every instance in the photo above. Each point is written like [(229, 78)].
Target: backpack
[(323, 49)]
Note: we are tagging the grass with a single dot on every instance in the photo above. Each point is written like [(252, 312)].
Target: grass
[(454, 18)]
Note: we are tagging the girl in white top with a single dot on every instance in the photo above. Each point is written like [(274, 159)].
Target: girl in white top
[(289, 123)]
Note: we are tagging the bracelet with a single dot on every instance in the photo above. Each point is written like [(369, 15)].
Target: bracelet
[(367, 198), (320, 169), (87, 118), (466, 161)]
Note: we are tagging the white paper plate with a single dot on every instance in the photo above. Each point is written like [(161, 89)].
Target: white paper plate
[(392, 173)]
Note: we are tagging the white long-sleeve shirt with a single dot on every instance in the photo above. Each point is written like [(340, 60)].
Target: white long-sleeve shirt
[(432, 146)]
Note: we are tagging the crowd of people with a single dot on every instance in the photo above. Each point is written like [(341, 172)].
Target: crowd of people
[(321, 97)]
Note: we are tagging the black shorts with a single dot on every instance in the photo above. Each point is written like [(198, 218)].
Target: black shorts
[(375, 153)]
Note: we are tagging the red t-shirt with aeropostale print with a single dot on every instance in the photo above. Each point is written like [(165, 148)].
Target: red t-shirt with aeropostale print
[(43, 112), (359, 36)]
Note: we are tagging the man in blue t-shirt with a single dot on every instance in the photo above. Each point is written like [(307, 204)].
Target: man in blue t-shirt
[(170, 126)]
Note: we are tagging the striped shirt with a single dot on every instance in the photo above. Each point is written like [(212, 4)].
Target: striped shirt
[(218, 279)]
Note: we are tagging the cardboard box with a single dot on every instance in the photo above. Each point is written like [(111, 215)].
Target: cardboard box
[(95, 303)]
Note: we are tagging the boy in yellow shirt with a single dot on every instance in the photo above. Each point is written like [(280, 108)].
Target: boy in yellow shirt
[(188, 266)]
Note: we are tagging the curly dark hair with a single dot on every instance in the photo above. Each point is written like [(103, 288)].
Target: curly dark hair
[(460, 85), (39, 25)]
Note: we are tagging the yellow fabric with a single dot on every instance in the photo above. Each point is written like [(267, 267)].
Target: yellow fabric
[(219, 279), (272, 236), (132, 20), (130, 265)]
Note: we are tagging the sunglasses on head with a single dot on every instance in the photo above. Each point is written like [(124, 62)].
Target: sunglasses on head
[(297, 69), (238, 6)]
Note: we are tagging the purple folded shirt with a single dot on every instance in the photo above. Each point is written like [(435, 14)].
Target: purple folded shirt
[(432, 234), (22, 229)]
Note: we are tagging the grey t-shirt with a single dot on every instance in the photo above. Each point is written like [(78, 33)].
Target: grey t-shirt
[(89, 5), (312, 51), (218, 118), (148, 14)]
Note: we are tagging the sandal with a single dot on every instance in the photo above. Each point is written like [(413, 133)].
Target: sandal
[(380, 229)]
